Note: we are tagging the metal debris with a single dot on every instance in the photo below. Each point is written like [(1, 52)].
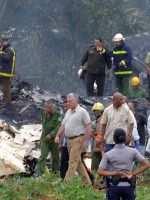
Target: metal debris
[(16, 145)]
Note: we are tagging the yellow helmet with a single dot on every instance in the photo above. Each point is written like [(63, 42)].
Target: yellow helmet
[(98, 106), (135, 81)]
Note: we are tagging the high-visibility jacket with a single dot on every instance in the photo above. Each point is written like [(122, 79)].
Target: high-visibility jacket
[(122, 54), (7, 61)]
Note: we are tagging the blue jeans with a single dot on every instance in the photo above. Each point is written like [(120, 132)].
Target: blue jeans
[(137, 144), (125, 192), (91, 142), (108, 147)]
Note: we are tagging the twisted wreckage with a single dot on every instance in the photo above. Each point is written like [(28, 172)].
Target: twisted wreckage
[(21, 129)]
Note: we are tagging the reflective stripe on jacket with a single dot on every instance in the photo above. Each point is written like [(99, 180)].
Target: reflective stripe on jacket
[(122, 54), (7, 61)]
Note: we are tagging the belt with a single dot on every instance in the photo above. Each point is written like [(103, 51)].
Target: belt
[(76, 136)]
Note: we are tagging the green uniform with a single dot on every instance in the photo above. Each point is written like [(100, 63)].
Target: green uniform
[(50, 126), (140, 93), (123, 85), (147, 61), (96, 157)]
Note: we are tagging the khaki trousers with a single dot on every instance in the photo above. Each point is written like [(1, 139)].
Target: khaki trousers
[(6, 87), (74, 146)]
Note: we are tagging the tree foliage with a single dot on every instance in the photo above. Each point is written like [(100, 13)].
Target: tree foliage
[(50, 37)]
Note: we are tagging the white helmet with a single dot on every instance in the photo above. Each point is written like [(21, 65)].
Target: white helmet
[(80, 72), (118, 37)]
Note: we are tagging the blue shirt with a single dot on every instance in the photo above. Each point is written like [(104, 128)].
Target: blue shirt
[(64, 143)]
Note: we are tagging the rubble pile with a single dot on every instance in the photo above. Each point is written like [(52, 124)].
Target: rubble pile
[(16, 145)]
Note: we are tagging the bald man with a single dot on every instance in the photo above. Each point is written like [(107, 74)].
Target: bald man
[(116, 116)]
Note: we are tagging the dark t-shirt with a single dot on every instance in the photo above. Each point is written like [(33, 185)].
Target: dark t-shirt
[(141, 121)]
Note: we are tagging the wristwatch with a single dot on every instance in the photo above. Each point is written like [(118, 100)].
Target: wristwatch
[(130, 135)]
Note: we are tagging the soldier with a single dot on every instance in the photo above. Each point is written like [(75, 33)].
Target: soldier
[(50, 124)]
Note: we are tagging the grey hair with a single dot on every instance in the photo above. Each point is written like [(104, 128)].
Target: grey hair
[(48, 102), (73, 95)]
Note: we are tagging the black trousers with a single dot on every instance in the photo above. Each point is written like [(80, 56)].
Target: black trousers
[(64, 162), (124, 192), (100, 81)]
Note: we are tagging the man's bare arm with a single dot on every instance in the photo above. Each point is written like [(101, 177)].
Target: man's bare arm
[(88, 134), (103, 130), (131, 128), (60, 132)]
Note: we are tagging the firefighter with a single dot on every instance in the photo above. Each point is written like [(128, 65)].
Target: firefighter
[(7, 67), (97, 60), (122, 57), (137, 91), (98, 152), (50, 125)]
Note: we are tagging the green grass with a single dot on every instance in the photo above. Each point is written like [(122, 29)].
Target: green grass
[(50, 187)]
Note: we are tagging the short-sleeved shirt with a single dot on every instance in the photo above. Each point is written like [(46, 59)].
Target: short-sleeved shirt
[(75, 122), (147, 60), (116, 118), (121, 158), (140, 93)]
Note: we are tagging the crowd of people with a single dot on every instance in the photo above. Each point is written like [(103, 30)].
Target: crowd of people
[(119, 134), (117, 138)]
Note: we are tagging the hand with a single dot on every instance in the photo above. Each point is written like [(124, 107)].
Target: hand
[(132, 143), (127, 175), (99, 48), (120, 64), (102, 147), (122, 174), (85, 144), (108, 71), (128, 139), (57, 139), (82, 67), (48, 138)]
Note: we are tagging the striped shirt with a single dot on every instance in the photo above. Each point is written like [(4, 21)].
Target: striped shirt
[(116, 118)]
